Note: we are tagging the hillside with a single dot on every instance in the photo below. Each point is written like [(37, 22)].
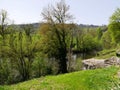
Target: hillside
[(99, 79), (37, 25)]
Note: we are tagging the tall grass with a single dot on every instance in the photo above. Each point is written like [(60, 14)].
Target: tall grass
[(99, 79)]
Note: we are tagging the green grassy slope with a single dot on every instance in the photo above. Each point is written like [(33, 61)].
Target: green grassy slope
[(105, 54), (99, 79)]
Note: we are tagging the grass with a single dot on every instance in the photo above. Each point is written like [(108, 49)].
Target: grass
[(105, 54), (99, 79)]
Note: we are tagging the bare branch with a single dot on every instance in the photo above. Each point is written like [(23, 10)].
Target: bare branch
[(58, 13)]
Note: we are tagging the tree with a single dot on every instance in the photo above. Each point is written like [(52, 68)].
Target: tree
[(114, 25), (107, 41), (22, 48), (57, 35), (4, 66), (99, 33), (18, 50), (115, 16), (3, 23)]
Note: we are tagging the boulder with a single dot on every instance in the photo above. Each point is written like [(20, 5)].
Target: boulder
[(93, 63), (112, 61), (100, 63)]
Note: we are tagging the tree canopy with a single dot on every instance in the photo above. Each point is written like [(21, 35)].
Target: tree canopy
[(114, 25), (56, 18)]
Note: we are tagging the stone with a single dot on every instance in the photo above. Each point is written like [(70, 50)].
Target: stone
[(100, 63), (113, 61), (93, 63)]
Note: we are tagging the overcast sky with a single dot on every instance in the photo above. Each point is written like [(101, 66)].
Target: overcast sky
[(85, 11)]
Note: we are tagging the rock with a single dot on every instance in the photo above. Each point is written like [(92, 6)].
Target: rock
[(93, 63), (113, 61), (100, 63)]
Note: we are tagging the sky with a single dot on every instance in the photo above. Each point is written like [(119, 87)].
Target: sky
[(95, 12)]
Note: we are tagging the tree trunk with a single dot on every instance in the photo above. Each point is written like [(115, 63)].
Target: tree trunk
[(62, 66), (62, 61)]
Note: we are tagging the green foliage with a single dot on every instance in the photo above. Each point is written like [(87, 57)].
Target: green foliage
[(25, 55), (42, 66), (99, 33), (5, 66), (17, 53), (115, 16), (88, 43), (78, 64), (99, 79), (107, 41), (22, 50), (106, 53), (56, 43), (5, 71), (114, 26)]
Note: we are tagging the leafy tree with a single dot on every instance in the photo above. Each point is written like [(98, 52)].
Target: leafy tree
[(107, 41), (3, 23), (99, 33), (21, 50), (115, 16), (88, 44), (114, 26), (26, 50), (57, 35), (4, 62), (18, 51)]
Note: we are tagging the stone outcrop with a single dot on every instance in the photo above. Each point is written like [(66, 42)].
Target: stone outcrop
[(113, 61), (100, 63)]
